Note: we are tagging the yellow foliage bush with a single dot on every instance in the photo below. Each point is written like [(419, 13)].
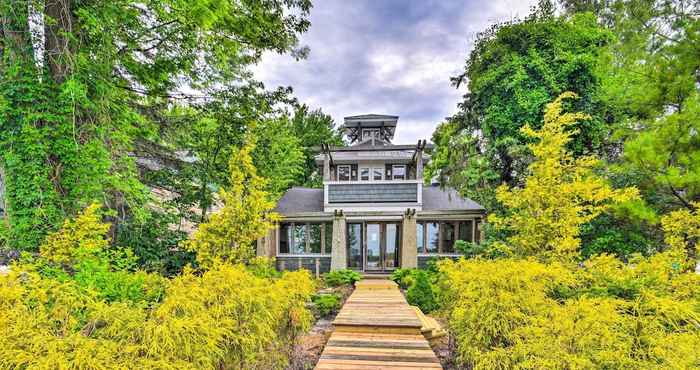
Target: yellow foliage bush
[(561, 192), (523, 314), (245, 217), (55, 316)]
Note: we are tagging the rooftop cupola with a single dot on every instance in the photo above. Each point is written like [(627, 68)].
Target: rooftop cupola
[(375, 129)]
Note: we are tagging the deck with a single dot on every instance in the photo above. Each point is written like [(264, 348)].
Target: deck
[(377, 329)]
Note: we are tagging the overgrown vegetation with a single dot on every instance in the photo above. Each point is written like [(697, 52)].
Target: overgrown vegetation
[(326, 304), (81, 304)]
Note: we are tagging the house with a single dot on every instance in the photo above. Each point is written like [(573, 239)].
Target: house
[(374, 213)]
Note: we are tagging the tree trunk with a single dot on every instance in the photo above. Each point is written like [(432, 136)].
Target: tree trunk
[(58, 24)]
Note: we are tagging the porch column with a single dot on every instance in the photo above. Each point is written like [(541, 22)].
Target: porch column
[(267, 245), (409, 253), (339, 258)]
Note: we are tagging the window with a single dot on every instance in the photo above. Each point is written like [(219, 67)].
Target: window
[(299, 239), (439, 237), (398, 172), (370, 133), (376, 174), (305, 238), (364, 174), (354, 246), (448, 237), (285, 238), (432, 237), (344, 173), (466, 231), (315, 238), (420, 237)]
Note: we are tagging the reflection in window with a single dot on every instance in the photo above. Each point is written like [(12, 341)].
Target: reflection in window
[(465, 231), (344, 173), (354, 240), (364, 174), (376, 174), (315, 238), (420, 237), (448, 237), (329, 238), (432, 237), (399, 172), (299, 243)]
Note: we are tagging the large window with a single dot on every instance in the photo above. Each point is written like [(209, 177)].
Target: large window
[(364, 174), (398, 172), (344, 173), (354, 240), (303, 238), (435, 237)]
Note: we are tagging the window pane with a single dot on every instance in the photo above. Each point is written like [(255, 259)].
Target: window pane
[(315, 238), (329, 237), (391, 245), (399, 172), (344, 173), (285, 238), (377, 173), (354, 245), (448, 237), (433, 236), (420, 240), (299, 246), (364, 174), (465, 231)]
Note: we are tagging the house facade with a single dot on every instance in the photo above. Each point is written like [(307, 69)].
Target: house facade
[(374, 213)]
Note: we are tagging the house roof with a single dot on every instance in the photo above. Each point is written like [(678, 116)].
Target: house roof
[(300, 200), (371, 116), (303, 200)]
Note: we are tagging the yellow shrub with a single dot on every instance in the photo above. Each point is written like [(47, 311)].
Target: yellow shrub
[(523, 314)]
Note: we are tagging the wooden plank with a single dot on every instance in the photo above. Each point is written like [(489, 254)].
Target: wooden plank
[(376, 329)]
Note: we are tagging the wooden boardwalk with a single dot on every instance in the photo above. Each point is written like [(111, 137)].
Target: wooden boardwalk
[(377, 329)]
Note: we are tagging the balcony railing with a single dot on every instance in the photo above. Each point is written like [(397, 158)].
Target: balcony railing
[(387, 191)]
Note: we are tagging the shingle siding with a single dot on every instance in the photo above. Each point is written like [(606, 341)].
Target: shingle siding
[(370, 193)]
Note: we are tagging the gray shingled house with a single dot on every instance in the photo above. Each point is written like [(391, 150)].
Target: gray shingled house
[(374, 213)]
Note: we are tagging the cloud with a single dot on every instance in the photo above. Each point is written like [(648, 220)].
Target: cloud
[(387, 57)]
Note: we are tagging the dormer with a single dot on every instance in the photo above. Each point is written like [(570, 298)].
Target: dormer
[(372, 129)]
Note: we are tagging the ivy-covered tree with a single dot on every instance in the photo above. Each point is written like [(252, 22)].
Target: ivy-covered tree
[(80, 81), (514, 70)]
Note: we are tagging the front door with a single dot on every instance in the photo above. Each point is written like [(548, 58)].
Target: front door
[(381, 246)]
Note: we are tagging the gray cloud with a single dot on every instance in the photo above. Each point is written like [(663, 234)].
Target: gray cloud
[(387, 57)]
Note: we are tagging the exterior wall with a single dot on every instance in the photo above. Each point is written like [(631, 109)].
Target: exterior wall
[(317, 265), (368, 192), (267, 245)]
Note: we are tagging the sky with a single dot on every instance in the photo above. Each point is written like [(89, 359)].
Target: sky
[(387, 57)]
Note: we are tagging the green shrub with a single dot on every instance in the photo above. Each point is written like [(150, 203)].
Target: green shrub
[(263, 267), (399, 275), (326, 304), (420, 292), (342, 277)]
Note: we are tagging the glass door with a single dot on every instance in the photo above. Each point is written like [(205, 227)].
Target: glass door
[(374, 247), (381, 246)]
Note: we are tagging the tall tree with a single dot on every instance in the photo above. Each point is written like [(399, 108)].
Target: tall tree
[(514, 69), (313, 128), (72, 105)]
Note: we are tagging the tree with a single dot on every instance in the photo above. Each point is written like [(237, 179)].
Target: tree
[(313, 128), (246, 214), (81, 81), (515, 69), (561, 192)]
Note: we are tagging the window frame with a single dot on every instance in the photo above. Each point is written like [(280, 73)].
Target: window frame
[(369, 173), (377, 170), (325, 249), (393, 171), (441, 229), (337, 172)]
